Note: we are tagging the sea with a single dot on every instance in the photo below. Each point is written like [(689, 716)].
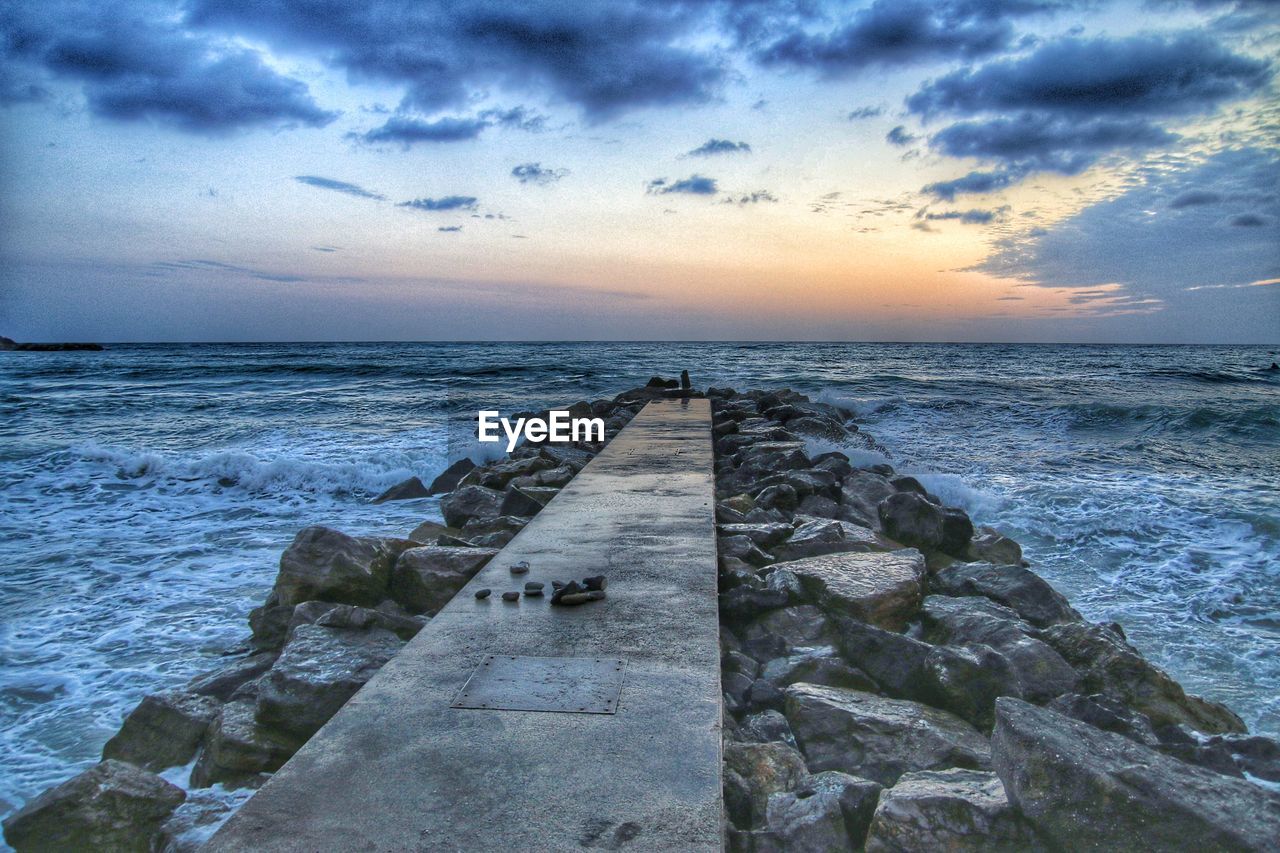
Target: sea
[(147, 491)]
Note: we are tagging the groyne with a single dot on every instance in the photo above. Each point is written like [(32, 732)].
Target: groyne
[(891, 676)]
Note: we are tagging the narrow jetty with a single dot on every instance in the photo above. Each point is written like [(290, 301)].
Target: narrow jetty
[(527, 726)]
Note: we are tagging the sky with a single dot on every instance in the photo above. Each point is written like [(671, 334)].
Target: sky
[(967, 170)]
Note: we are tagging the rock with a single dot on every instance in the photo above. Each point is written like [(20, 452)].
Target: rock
[(1020, 590), (748, 601), (1041, 672), (164, 730), (781, 497), (825, 812), (860, 494), (742, 548), (763, 694), (482, 594), (818, 505), (1109, 715), (815, 536), (762, 535), (896, 662), (407, 490), (824, 428), (492, 532), (497, 475), (269, 624), (238, 749), (221, 683), (765, 727), (988, 545), (511, 596), (595, 583), (425, 578), (967, 682), (779, 632), (1083, 788), (318, 671), (448, 479), (520, 568), (878, 738), (835, 462), (349, 616), (429, 532), (468, 502), (193, 822), (526, 501), (953, 810), (764, 768), (911, 519), (112, 806), (820, 665), (1256, 755), (1107, 664), (769, 457), (327, 565), (882, 589)]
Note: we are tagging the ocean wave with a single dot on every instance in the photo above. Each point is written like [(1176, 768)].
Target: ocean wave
[(238, 469), (1161, 418)]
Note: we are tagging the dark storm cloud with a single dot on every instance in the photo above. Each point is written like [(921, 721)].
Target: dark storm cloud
[(1152, 250), (1154, 75), (605, 58), (410, 131), (692, 185), (133, 62), (449, 202), (900, 32), (1072, 101), (900, 137), (719, 146), (536, 173), (1039, 142), (337, 186)]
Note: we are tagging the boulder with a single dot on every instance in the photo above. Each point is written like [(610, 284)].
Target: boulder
[(426, 578), (330, 615), (526, 501), (327, 565), (814, 536), (765, 727), (780, 631), (782, 497), (1019, 589), (763, 535), (954, 810), (496, 475), (1109, 715), (318, 671), (988, 545), (1083, 788), (764, 458), (430, 532), (967, 682), (237, 749), (894, 661), (971, 621), (470, 502), (1107, 664), (860, 494), (819, 506), (221, 683), (883, 589), (764, 768), (164, 730), (912, 519), (820, 665), (112, 806), (742, 548), (269, 623), (448, 479), (878, 738), (826, 812), (404, 491), (193, 822)]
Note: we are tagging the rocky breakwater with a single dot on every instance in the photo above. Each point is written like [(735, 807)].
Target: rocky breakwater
[(897, 679), (341, 606)]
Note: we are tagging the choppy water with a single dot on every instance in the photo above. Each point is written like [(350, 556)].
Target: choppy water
[(147, 491)]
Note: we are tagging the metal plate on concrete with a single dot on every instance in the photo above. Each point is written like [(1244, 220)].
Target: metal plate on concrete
[(563, 685)]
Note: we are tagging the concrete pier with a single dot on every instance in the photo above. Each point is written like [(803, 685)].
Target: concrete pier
[(624, 752)]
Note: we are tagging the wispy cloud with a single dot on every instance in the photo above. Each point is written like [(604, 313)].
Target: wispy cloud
[(713, 147), (449, 202), (692, 185), (338, 186)]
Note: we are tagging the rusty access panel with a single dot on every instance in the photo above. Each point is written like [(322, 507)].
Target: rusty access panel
[(553, 684)]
